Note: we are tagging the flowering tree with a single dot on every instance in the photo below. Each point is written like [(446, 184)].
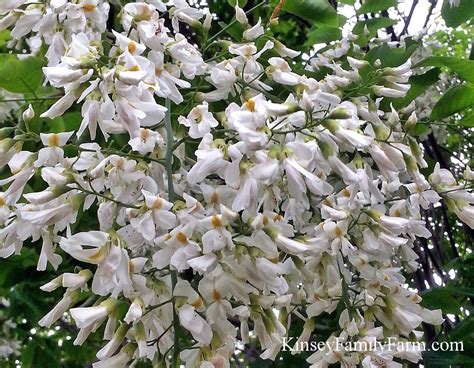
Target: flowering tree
[(201, 194)]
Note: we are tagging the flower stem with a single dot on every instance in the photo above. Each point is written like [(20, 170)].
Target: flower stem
[(171, 194)]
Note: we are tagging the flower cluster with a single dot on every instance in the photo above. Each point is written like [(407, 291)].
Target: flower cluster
[(303, 197)]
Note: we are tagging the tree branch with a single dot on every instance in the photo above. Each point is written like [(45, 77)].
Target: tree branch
[(408, 19)]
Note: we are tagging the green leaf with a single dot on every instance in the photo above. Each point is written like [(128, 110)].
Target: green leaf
[(418, 85), (67, 122), (242, 3), (462, 67), (469, 291), (235, 30), (455, 16), (347, 2), (28, 355), (373, 25), (21, 76), (443, 359), (323, 34), (468, 120), (4, 37), (441, 298), (374, 6), (454, 100), (317, 11), (463, 330), (391, 56)]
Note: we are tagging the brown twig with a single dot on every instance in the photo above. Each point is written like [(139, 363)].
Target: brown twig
[(277, 9)]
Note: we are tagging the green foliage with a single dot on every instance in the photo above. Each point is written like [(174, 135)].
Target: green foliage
[(454, 100), (314, 11), (374, 6), (241, 3), (373, 25), (441, 298), (323, 34), (390, 56), (468, 120), (20, 76), (455, 43), (462, 67), (457, 15), (4, 37)]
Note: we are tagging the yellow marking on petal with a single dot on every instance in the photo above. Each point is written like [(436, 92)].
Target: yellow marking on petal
[(182, 238), (345, 192), (265, 221), (2, 201), (250, 105), (134, 68), (157, 204), (216, 222), (248, 51), (316, 296), (277, 217), (397, 213), (216, 295), (97, 256), (89, 8), (197, 207), (274, 260), (198, 303), (338, 231), (145, 134), (168, 237), (214, 198), (132, 47), (376, 284), (53, 140), (158, 72), (120, 164)]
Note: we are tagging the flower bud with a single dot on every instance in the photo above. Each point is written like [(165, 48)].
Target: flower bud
[(207, 21), (410, 124), (240, 16), (339, 113), (28, 114)]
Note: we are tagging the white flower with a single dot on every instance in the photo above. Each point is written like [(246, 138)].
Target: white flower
[(111, 347), (59, 309), (195, 324), (95, 242), (254, 32), (89, 316), (134, 312), (199, 121), (146, 141), (52, 154), (158, 216)]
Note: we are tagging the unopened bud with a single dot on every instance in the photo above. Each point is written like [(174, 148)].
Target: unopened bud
[(207, 21), (28, 114), (240, 16), (410, 125), (410, 162), (339, 113)]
